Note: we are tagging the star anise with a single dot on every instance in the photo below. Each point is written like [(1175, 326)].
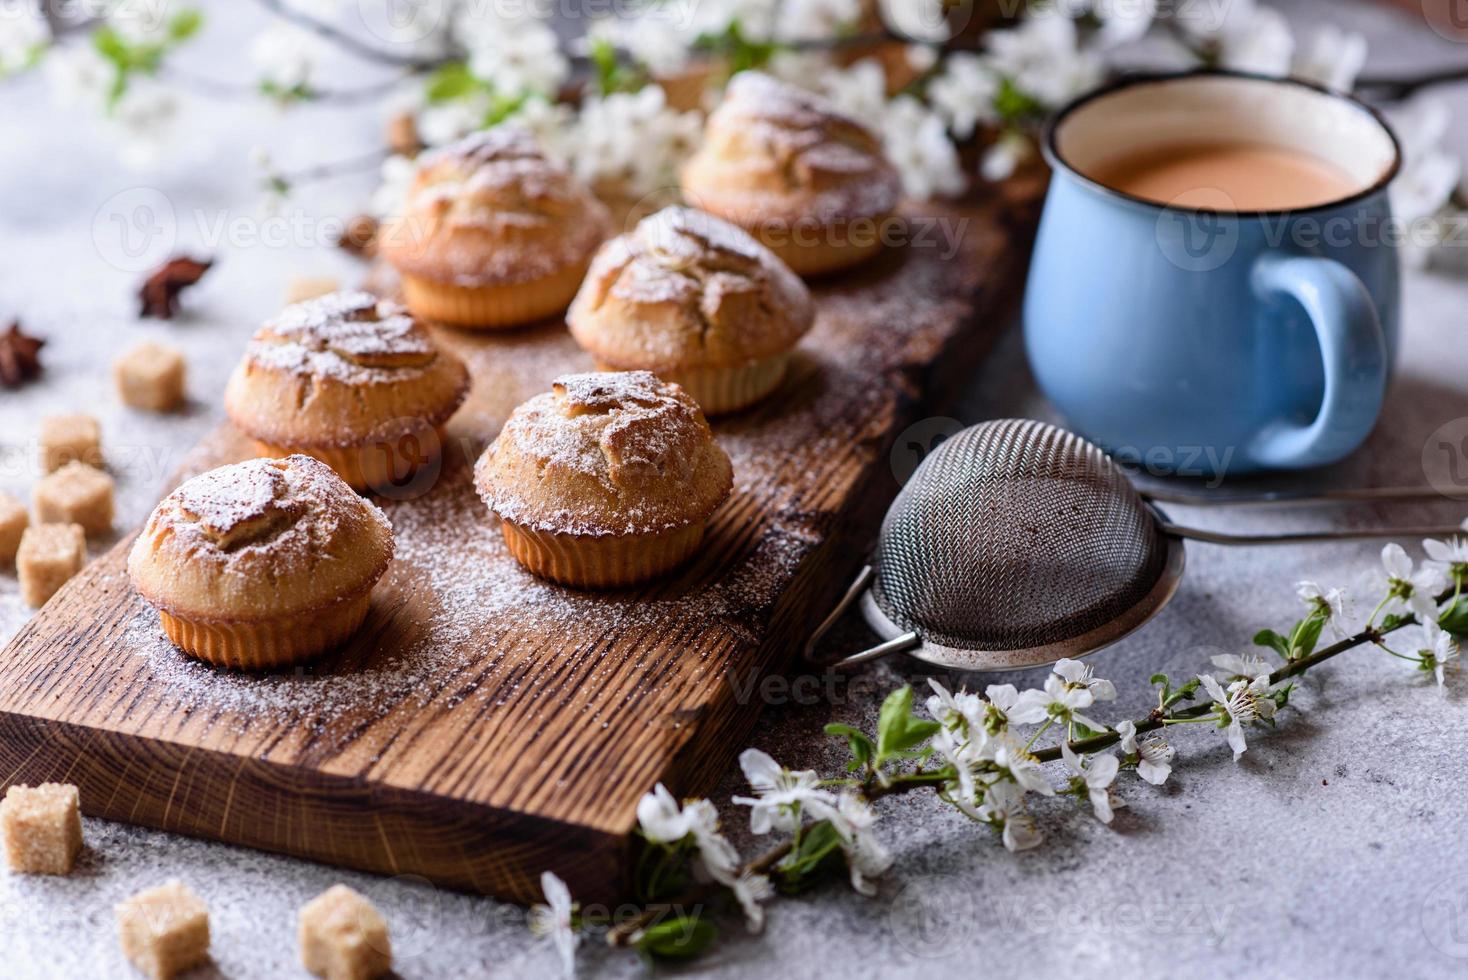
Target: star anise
[(159, 294), (20, 356), (359, 237)]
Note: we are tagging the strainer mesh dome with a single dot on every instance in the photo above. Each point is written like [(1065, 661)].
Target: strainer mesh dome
[(1015, 534)]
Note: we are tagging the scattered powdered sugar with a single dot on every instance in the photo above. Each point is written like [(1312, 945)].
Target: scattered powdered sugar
[(472, 603), (461, 620), (350, 337), (832, 161)]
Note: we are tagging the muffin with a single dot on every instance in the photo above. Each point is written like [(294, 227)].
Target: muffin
[(698, 302), (606, 480), (493, 234), (356, 382), (261, 564), (789, 168)]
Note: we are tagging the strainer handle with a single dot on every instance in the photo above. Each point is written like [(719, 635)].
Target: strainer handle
[(1304, 537), (898, 643)]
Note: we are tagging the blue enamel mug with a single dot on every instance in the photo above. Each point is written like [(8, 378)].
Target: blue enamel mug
[(1213, 342)]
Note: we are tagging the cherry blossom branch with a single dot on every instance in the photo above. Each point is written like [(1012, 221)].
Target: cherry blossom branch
[(1158, 719), (347, 41), (231, 91)]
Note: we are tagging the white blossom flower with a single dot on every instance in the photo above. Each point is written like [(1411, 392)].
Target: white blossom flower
[(961, 751), (1004, 156), (859, 90), (516, 52), (749, 891), (756, 18), (1414, 591), (146, 119), (1448, 558), (285, 56), (781, 793), (1014, 707), (918, 20), (1004, 808), (655, 41), (1041, 57), (1428, 176), (1333, 58), (963, 709), (1154, 755), (446, 122), (660, 817), (1063, 702), (1242, 703), (631, 144), (421, 27), (1121, 21), (1245, 666), (1331, 602), (553, 921), (1092, 778), (79, 77), (719, 857), (397, 175), (1079, 675), (23, 35), (139, 21), (1438, 651), (866, 857), (963, 93), (815, 20), (1009, 754), (1241, 35)]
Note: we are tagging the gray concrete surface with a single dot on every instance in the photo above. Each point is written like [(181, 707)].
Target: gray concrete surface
[(1333, 848)]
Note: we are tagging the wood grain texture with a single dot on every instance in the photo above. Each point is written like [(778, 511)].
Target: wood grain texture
[(483, 726)]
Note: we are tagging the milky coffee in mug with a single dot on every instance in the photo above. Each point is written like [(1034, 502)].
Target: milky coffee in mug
[(1214, 288)]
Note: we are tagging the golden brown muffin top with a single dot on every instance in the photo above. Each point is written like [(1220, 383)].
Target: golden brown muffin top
[(492, 209), (774, 151), (259, 539), (613, 453), (687, 289), (333, 371)]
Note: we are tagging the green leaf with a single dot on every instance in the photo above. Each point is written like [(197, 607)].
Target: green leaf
[(451, 81), (1306, 635), (818, 852), (1272, 640), (185, 24), (679, 938), (861, 746), (110, 45), (1014, 105), (898, 730), (1159, 679), (1391, 621), (502, 108), (1454, 618)]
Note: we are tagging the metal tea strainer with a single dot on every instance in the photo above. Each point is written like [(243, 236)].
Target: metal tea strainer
[(1016, 543)]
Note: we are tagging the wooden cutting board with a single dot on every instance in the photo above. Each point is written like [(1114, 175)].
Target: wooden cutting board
[(484, 726)]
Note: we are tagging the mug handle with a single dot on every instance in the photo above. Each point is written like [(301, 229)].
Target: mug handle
[(1352, 347)]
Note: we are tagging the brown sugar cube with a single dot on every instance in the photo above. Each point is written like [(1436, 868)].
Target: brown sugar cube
[(43, 828), (165, 930), (310, 287), (150, 376), (13, 520), (68, 437), (49, 555), (343, 937), (76, 494)]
